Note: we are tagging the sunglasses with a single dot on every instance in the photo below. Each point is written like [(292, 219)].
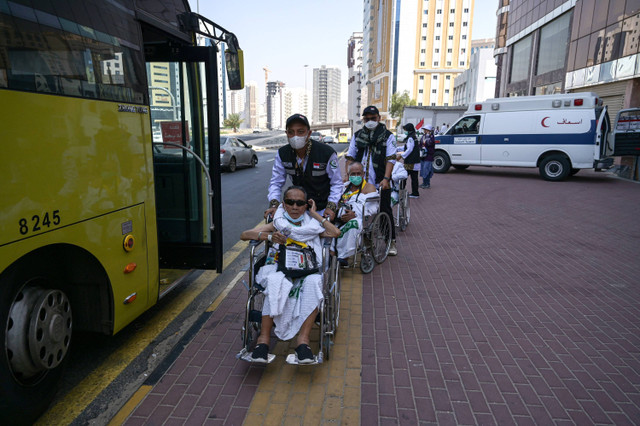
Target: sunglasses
[(298, 203)]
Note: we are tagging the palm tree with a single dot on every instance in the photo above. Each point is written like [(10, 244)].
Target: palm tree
[(234, 121)]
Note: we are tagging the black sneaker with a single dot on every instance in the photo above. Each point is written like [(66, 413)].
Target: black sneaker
[(260, 353), (304, 354), (344, 263)]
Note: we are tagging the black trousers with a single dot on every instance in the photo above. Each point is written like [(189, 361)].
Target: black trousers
[(385, 206), (414, 182)]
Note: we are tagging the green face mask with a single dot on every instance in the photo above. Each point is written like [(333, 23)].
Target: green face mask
[(356, 180)]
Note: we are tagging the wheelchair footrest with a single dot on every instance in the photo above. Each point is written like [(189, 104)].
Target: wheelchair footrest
[(255, 316), (245, 355), (293, 360)]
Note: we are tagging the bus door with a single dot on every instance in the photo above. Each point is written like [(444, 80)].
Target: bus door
[(185, 127)]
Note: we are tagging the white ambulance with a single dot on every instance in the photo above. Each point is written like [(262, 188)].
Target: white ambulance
[(559, 134)]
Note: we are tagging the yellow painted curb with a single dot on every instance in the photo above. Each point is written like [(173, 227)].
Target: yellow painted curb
[(224, 293), (130, 405), (77, 400)]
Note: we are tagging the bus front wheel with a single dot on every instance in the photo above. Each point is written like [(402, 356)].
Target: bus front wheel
[(441, 162), (35, 330)]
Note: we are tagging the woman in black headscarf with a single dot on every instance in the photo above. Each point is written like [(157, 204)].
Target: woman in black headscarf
[(411, 156)]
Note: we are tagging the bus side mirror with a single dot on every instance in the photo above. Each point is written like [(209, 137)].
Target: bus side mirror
[(235, 68)]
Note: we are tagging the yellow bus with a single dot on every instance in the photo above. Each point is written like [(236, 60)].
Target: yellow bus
[(92, 210)]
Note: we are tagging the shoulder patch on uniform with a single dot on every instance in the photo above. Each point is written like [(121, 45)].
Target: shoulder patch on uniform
[(333, 164), (393, 142)]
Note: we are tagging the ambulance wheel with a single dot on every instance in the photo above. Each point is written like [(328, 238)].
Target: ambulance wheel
[(441, 162), (555, 168), (460, 167)]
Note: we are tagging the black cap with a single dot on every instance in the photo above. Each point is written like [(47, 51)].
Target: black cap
[(409, 128), (371, 110), (299, 118)]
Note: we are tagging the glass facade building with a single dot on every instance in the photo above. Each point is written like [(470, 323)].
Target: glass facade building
[(558, 46)]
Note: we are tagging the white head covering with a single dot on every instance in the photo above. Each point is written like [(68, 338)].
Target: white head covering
[(429, 127)]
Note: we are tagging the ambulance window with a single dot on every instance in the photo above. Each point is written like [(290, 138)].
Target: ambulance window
[(468, 125)]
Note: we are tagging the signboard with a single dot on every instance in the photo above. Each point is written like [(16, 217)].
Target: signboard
[(172, 132), (464, 140)]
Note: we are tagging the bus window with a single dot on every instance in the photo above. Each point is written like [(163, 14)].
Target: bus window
[(66, 58)]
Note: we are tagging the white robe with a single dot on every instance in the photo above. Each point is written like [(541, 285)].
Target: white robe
[(290, 302), (347, 241)]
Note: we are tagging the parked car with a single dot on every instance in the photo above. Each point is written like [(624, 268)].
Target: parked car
[(328, 139), (235, 153), (256, 130), (316, 136)]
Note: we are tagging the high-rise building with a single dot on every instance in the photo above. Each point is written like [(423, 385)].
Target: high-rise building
[(478, 83), (275, 105), (164, 82), (236, 101), (326, 94), (602, 55), (296, 101), (251, 105), (354, 83), (420, 53)]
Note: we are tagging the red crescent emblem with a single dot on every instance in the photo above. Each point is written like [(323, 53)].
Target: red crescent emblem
[(542, 122)]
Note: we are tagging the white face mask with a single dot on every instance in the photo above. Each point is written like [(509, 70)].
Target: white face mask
[(371, 124), (297, 142)]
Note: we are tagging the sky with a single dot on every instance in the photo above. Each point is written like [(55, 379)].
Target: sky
[(286, 35)]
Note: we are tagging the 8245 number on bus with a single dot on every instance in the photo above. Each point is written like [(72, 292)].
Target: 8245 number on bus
[(39, 222)]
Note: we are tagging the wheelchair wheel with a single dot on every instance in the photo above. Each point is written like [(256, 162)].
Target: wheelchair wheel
[(381, 237), (366, 263), (404, 212), (335, 294)]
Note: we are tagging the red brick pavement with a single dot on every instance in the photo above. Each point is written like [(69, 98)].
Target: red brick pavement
[(512, 301)]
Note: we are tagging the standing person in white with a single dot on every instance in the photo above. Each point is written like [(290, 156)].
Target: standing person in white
[(375, 147), (309, 164)]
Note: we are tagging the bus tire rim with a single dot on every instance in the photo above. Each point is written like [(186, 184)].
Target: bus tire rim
[(38, 331), (553, 168)]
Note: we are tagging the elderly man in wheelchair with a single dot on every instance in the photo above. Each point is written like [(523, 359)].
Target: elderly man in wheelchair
[(292, 274), (353, 205)]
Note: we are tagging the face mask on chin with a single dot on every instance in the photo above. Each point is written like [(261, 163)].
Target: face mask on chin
[(292, 220), (371, 124), (297, 142)]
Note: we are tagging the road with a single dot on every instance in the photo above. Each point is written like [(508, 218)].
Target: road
[(94, 357)]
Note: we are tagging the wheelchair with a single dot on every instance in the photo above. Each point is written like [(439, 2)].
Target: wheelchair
[(374, 240), (402, 209), (328, 311)]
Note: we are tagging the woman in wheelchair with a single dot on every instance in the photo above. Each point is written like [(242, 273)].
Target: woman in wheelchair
[(290, 276), (350, 211)]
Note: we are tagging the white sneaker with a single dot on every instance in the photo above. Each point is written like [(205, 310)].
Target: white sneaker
[(393, 250)]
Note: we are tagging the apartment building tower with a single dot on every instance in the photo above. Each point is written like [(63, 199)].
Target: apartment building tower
[(355, 99), (326, 94), (416, 46), (251, 105), (275, 105)]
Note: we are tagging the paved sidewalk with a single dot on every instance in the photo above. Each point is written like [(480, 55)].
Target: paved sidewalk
[(512, 301)]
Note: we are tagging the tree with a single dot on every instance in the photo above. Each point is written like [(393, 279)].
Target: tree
[(233, 121), (398, 102)]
